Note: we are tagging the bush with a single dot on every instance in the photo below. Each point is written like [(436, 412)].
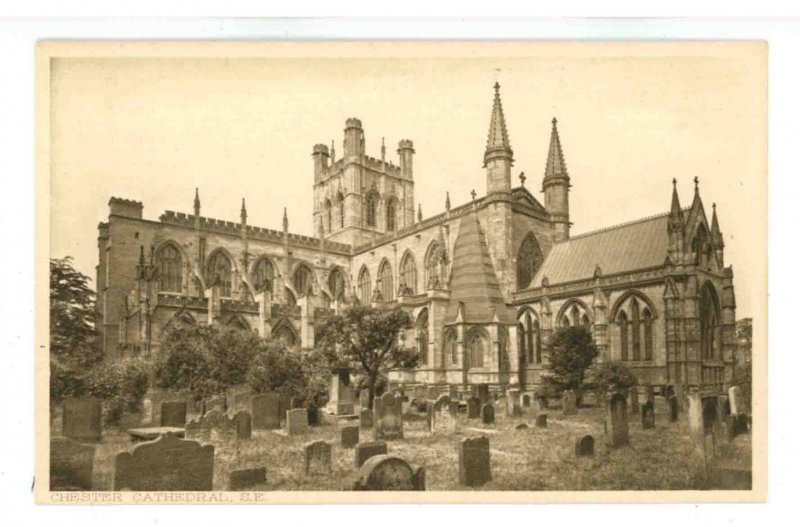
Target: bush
[(120, 385), (610, 377), (317, 369), (275, 369), (571, 352)]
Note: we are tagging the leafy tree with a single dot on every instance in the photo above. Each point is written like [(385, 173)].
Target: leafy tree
[(72, 316), (571, 352), (276, 369), (121, 385), (369, 337), (611, 377)]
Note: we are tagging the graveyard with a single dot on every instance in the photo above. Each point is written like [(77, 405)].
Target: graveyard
[(445, 442)]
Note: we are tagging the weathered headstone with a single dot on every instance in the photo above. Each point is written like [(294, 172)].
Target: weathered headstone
[(211, 426), (584, 446), (173, 413), (244, 425), (313, 414), (147, 411), (735, 400), (388, 417), (526, 400), (82, 419), (672, 408), (349, 436), (542, 402), (513, 408), (569, 403), (366, 419), (521, 426), (363, 398), (487, 413), (247, 478), (695, 413), (473, 408), (616, 423), (366, 450), (541, 420), (71, 464), (633, 401), (168, 463), (385, 472), (483, 393), (317, 456), (296, 421), (474, 465), (265, 411), (440, 417), (648, 415)]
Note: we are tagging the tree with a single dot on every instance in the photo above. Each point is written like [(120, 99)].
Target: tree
[(612, 377), (571, 352), (276, 369), (369, 337), (72, 316)]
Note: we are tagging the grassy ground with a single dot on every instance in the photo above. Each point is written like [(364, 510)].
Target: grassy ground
[(531, 459)]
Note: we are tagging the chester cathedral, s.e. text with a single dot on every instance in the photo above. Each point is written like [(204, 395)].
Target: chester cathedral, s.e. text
[(486, 281)]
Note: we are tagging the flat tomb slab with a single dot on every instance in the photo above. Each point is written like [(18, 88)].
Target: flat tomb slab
[(154, 432)]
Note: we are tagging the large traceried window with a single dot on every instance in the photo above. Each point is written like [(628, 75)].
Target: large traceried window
[(218, 272), (529, 259), (391, 215), (336, 283), (302, 280), (263, 276), (530, 338), (372, 209), (634, 320), (408, 274), (170, 269), (422, 336), (432, 278), (328, 217), (574, 314), (340, 210), (477, 344), (710, 331), (622, 322), (364, 287), (385, 281), (450, 347)]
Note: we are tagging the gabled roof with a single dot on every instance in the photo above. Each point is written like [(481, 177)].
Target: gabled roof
[(522, 196), (637, 245), (474, 289)]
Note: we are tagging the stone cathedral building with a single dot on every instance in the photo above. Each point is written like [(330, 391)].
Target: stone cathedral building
[(486, 281)]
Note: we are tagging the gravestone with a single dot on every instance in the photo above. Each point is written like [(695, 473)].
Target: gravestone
[(238, 398), (569, 403), (672, 408), (296, 421), (735, 400), (483, 393), (313, 414), (317, 457), (173, 413), (167, 464), (211, 426), (649, 393), (722, 412), (648, 416), (513, 408), (584, 446), (474, 466), (473, 408), (244, 426), (695, 414), (542, 402), (431, 392), (265, 411), (541, 420), (363, 399), (521, 426), (348, 436), (367, 449), (247, 478), (82, 419), (487, 413), (385, 472), (741, 423), (730, 428), (71, 464), (633, 402), (440, 416), (388, 417), (526, 400), (339, 389), (366, 419), (147, 411), (616, 423)]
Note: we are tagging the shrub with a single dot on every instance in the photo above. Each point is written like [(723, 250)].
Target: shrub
[(121, 386), (571, 352), (275, 369), (610, 377)]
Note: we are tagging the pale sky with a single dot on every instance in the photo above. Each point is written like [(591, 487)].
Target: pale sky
[(152, 129)]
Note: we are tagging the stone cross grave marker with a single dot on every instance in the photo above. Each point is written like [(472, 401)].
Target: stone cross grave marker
[(616, 423), (266, 411), (474, 465), (173, 413), (473, 408), (82, 419), (367, 449), (487, 413), (317, 457), (385, 472), (71, 464), (296, 421), (166, 464), (388, 417), (648, 415), (584, 446), (569, 403), (247, 478), (348, 436)]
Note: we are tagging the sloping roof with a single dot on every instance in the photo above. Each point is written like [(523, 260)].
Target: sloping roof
[(627, 247), (473, 283)]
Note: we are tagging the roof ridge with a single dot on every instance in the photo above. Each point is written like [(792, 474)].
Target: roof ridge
[(619, 225)]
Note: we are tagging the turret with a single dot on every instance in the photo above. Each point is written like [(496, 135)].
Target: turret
[(405, 150), (353, 138), (675, 226), (716, 237), (498, 157), (320, 155), (556, 186)]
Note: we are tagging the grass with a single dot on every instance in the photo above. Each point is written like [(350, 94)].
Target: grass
[(531, 459)]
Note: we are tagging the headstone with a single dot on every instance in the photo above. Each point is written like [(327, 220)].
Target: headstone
[(487, 413), (521, 426), (473, 408), (526, 400), (167, 464), (542, 402), (297, 421), (349, 436), (584, 446), (147, 411), (238, 397), (432, 392), (71, 464), (741, 423), (696, 421), (244, 427), (313, 414), (513, 408), (616, 423), (385, 472), (366, 419), (173, 413), (483, 393), (541, 420), (339, 390), (474, 466), (82, 419), (649, 393), (569, 403), (211, 426), (317, 457), (363, 399), (366, 450), (265, 411), (388, 417), (735, 400), (730, 428), (440, 417), (247, 478), (672, 407), (648, 416), (633, 402)]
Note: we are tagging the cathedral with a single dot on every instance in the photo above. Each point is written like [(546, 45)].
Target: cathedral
[(485, 281)]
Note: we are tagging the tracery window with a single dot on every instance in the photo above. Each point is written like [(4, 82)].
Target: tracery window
[(170, 269), (219, 272), (372, 209), (364, 287), (263, 276), (476, 348), (422, 336), (408, 274), (302, 280), (529, 259), (385, 281), (336, 283)]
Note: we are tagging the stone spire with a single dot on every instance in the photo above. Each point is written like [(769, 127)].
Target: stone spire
[(333, 152), (556, 167), (196, 202), (419, 213), (675, 213), (556, 185), (498, 157), (243, 213), (285, 221), (447, 202), (716, 234)]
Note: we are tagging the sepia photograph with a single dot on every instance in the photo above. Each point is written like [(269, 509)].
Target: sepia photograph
[(346, 272)]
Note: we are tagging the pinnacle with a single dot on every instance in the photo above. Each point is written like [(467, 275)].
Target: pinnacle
[(498, 134), (555, 156)]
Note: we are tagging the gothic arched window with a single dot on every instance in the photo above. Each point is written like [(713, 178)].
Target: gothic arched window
[(647, 322), (219, 272), (336, 283), (285, 335), (635, 334), (622, 321), (432, 277), (372, 209), (634, 318), (529, 258), (476, 347), (709, 322), (391, 218), (340, 209), (503, 359), (328, 224), (364, 287), (302, 280), (263, 276), (422, 336), (170, 269), (408, 274), (385, 281), (530, 339)]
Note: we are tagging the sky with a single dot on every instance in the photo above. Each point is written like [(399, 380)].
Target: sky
[(630, 117)]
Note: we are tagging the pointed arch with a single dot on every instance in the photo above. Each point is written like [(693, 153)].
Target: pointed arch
[(284, 332), (303, 279), (422, 336), (181, 317), (529, 336), (364, 286), (529, 259), (622, 323), (633, 315), (385, 280), (477, 344), (709, 313), (432, 255), (238, 322), (263, 275), (372, 208), (624, 301), (219, 271), (340, 210), (337, 283), (327, 219), (572, 313), (450, 347), (169, 262), (408, 274), (391, 214)]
